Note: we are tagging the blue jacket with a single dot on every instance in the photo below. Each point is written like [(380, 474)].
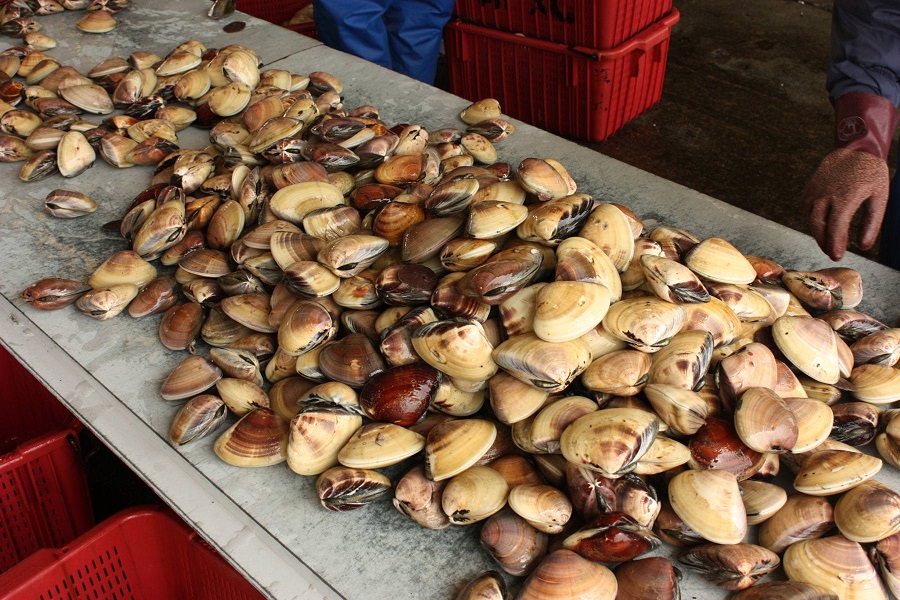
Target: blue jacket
[(865, 48)]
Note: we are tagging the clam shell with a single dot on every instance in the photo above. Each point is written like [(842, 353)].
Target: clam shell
[(544, 507), (814, 422), (513, 400), (709, 502), (200, 416), (876, 383), (683, 410), (612, 538), (868, 513), (714, 317), (123, 267), (836, 564), (341, 488), (716, 445), (620, 373), (608, 228), (653, 577), (684, 361), (609, 441), (829, 472), (662, 455), (400, 395), (513, 543), (541, 178), (717, 260), (419, 498), (549, 366), (761, 500), (565, 574), (456, 348), (552, 222), (565, 310), (487, 586), (352, 360), (732, 567), (646, 324), (241, 396), (810, 345), (380, 445), (785, 590), (764, 422), (258, 439), (488, 108), (880, 347), (753, 366), (672, 281), (52, 293), (455, 445), (180, 325), (474, 495), (106, 302), (250, 310), (294, 202)]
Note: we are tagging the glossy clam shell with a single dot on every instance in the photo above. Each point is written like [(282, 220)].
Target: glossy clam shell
[(716, 445), (474, 495), (579, 259), (380, 445), (400, 395), (868, 513), (717, 260), (513, 400), (544, 507), (709, 502), (123, 267), (455, 445), (200, 416), (456, 348), (258, 439), (672, 281), (732, 567), (753, 365), (684, 361), (621, 373), (880, 347), (761, 500), (877, 384), (241, 396), (662, 455), (190, 377), (550, 422), (550, 366), (653, 577), (609, 441), (53, 292), (814, 422), (341, 488), (646, 324), (419, 498), (565, 310), (810, 345), (352, 360), (608, 228), (565, 574), (836, 564), (764, 422), (513, 543), (250, 310), (316, 438), (612, 538), (829, 472), (685, 411)]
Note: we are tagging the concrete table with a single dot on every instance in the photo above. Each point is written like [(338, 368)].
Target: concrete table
[(267, 521)]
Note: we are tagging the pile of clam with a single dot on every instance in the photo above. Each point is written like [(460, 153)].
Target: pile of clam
[(582, 387), (17, 18)]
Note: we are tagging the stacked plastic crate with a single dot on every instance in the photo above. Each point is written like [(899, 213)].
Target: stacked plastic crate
[(279, 12), (49, 546), (579, 68)]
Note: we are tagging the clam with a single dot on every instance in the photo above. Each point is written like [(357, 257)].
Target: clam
[(53, 293), (683, 410), (513, 400), (653, 577), (241, 396), (552, 222), (764, 422), (240, 364), (732, 567), (829, 472), (852, 325), (513, 543), (753, 366), (349, 255), (258, 439), (88, 97), (673, 530), (200, 416), (205, 292), (815, 421), (612, 538), (163, 229), (710, 503), (305, 326), (487, 108), (876, 383), (400, 395), (836, 564), (886, 555), (868, 513), (888, 439), (487, 586), (855, 423), (448, 299), (609, 228), (662, 455), (205, 262), (402, 283), (565, 310), (579, 259), (380, 445), (501, 276), (620, 373), (517, 311), (565, 574), (13, 149), (609, 441), (549, 366), (880, 347), (341, 488), (419, 498), (746, 302), (785, 590), (541, 178), (352, 360), (717, 260), (761, 500), (221, 330), (474, 495), (396, 340), (456, 348), (716, 445), (672, 281), (646, 324), (424, 240), (684, 361), (593, 494), (192, 376), (123, 267), (817, 290), (810, 345), (455, 445), (543, 507), (98, 21), (491, 219), (74, 154), (106, 302), (516, 470), (250, 310), (180, 325)]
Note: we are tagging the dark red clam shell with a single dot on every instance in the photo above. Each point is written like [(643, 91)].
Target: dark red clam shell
[(654, 577), (400, 395), (716, 445), (612, 538)]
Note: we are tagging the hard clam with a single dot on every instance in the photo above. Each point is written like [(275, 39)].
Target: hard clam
[(886, 555), (653, 577), (836, 564), (732, 567), (53, 293), (880, 347), (565, 310), (513, 400), (341, 488), (810, 345), (66, 204), (487, 586), (855, 423), (456, 348), (549, 366), (106, 302), (180, 325), (612, 538), (241, 396), (258, 439), (672, 281), (683, 410), (717, 260), (646, 324), (710, 503), (876, 383), (764, 422), (716, 445), (400, 395), (544, 507)]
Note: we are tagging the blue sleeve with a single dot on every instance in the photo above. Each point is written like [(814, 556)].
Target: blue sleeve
[(865, 48)]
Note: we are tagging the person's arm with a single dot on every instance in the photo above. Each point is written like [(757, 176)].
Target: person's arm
[(864, 86)]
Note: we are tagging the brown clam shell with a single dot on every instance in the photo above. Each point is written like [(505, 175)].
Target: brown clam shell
[(653, 577), (352, 359), (513, 543), (732, 567), (565, 574), (192, 376), (180, 325), (258, 439), (717, 445)]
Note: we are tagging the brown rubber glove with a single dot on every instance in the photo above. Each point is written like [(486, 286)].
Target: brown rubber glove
[(852, 175)]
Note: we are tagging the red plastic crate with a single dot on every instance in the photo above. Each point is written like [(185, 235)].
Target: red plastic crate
[(278, 12), (138, 554), (29, 409), (600, 24), (575, 92), (44, 498)]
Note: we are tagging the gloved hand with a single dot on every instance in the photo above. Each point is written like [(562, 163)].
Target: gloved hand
[(852, 175)]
